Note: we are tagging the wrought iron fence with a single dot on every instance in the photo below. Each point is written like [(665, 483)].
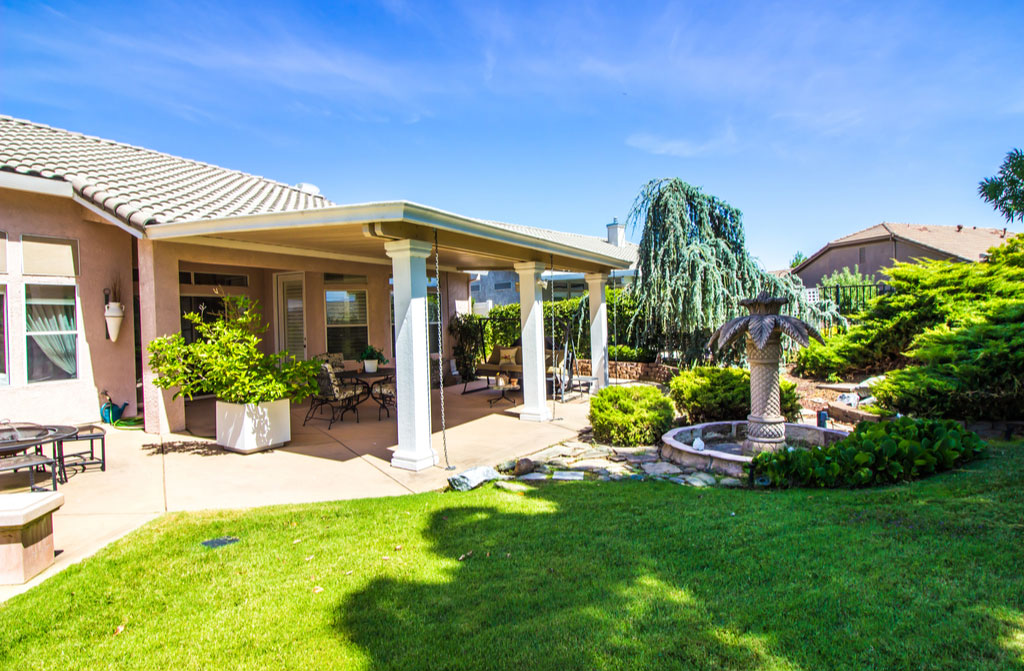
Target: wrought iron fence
[(854, 297)]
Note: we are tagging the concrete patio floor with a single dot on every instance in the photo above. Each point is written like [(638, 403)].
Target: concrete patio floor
[(150, 475)]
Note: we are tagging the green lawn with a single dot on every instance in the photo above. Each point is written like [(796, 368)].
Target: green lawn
[(571, 576)]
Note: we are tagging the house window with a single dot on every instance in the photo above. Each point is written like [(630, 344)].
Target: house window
[(474, 286), (3, 335), (52, 332), (347, 326), (502, 286), (3, 252), (210, 307), (49, 256)]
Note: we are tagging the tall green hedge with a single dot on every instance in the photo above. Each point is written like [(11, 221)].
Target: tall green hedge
[(712, 394)]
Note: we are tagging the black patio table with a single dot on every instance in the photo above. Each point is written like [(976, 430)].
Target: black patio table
[(381, 375), (17, 437)]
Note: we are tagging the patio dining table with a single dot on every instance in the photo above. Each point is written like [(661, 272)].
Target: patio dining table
[(380, 376), (19, 437)]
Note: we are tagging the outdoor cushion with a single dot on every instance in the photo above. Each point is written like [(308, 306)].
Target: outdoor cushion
[(508, 356)]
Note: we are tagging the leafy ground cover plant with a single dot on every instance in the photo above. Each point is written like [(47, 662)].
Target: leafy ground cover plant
[(226, 360), (630, 415), (627, 353), (883, 453), (712, 394)]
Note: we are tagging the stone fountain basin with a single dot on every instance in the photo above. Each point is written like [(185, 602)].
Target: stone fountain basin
[(723, 451)]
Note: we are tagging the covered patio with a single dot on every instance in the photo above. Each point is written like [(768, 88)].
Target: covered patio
[(400, 249)]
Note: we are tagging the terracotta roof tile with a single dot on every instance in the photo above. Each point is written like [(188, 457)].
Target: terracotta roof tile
[(141, 186)]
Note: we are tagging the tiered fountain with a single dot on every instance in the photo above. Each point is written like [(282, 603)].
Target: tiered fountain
[(725, 447)]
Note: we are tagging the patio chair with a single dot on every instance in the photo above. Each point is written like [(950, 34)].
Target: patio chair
[(335, 359), (383, 392), (339, 397), (91, 433)]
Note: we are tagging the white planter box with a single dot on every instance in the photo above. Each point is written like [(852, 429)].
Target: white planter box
[(252, 427)]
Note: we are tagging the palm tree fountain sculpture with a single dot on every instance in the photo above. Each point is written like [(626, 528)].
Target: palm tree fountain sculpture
[(764, 326)]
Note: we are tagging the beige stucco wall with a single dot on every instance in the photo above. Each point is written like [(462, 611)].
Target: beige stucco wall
[(104, 251), (877, 255)]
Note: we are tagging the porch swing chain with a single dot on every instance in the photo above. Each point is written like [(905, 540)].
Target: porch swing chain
[(440, 350)]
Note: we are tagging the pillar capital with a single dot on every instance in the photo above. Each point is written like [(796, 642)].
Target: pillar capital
[(596, 277), (527, 267), (397, 249)]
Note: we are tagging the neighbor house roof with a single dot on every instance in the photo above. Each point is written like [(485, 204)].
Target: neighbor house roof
[(968, 243), (141, 186)]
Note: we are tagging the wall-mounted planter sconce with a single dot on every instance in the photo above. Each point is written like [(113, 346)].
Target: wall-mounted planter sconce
[(113, 313)]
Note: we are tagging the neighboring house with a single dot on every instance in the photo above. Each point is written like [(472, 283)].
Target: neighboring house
[(80, 214), (877, 247), (501, 287)]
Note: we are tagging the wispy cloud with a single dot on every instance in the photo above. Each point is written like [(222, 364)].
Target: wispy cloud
[(724, 142)]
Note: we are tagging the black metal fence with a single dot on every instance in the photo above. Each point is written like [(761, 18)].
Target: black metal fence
[(854, 297)]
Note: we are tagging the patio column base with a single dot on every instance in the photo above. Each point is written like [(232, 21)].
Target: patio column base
[(410, 461)]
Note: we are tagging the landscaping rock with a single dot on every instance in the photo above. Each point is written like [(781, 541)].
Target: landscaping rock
[(597, 453), (534, 476), (567, 475), (864, 388), (706, 478), (643, 458), (524, 466), (590, 465), (694, 482), (559, 462), (730, 482), (512, 486), (507, 466), (473, 478), (551, 453), (851, 399), (661, 468), (677, 480)]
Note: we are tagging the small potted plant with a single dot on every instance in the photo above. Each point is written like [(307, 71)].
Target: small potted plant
[(113, 309), (370, 358), (254, 390)]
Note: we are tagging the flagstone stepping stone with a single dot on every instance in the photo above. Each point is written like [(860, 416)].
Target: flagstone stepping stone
[(590, 465), (706, 478), (559, 462), (567, 475), (661, 468), (534, 476), (551, 453), (641, 458), (678, 481), (512, 487), (694, 482), (730, 482), (597, 453)]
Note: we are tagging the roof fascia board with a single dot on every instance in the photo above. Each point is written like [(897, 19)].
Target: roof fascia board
[(33, 184), (368, 213)]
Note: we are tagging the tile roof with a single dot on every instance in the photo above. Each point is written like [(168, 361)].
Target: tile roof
[(627, 252), (141, 186), (969, 243)]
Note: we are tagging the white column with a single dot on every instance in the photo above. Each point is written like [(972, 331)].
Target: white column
[(598, 328), (412, 359), (531, 304)]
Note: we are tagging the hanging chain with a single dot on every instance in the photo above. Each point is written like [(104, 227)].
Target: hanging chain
[(440, 351)]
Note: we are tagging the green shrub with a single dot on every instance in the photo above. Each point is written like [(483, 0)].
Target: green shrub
[(630, 415), (226, 360), (711, 394), (874, 454), (925, 295)]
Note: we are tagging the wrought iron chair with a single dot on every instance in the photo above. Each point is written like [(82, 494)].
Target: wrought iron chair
[(340, 397)]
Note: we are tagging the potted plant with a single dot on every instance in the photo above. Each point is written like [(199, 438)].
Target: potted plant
[(370, 357), (253, 389), (113, 309)]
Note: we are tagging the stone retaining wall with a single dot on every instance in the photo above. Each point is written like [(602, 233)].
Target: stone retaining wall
[(634, 370)]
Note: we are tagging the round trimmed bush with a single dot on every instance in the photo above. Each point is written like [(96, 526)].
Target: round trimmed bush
[(630, 415), (712, 394)]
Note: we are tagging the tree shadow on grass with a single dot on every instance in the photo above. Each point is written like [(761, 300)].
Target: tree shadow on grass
[(552, 585)]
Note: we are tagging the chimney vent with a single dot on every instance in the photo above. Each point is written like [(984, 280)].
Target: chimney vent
[(616, 233), (306, 187), (959, 227), (1004, 232)]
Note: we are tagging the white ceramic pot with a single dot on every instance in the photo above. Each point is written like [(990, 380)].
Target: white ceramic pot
[(370, 365), (113, 313), (252, 427)]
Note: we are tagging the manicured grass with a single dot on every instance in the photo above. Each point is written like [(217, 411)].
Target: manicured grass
[(572, 576)]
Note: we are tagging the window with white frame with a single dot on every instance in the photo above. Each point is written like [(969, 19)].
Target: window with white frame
[(51, 332), (347, 324), (3, 252)]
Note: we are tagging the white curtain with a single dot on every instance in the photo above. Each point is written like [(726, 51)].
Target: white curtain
[(60, 348)]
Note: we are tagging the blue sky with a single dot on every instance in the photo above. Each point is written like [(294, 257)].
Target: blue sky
[(814, 119)]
